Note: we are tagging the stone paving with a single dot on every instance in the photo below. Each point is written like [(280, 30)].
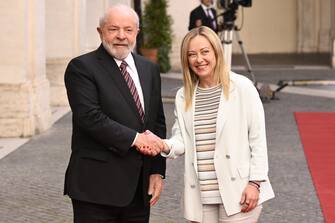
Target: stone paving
[(31, 177)]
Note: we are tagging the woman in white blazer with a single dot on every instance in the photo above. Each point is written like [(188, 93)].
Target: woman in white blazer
[(239, 158)]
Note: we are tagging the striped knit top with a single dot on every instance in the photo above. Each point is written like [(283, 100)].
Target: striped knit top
[(205, 113)]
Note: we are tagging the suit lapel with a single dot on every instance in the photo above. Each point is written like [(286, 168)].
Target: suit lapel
[(224, 109), (188, 117), (203, 13), (222, 115), (112, 70), (188, 120)]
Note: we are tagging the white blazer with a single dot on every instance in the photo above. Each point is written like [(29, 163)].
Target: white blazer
[(240, 154)]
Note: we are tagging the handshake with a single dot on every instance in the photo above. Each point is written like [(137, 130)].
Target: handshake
[(149, 144)]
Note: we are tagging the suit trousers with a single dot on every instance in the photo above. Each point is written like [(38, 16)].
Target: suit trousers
[(135, 212), (215, 213)]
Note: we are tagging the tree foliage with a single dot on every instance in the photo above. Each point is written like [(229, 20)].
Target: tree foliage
[(157, 33)]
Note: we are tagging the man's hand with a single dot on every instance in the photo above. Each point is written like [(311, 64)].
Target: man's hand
[(149, 144), (198, 22), (155, 188)]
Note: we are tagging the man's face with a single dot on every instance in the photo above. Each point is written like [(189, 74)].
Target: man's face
[(206, 2), (118, 34)]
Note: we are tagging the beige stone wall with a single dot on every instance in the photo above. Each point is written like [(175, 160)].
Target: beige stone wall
[(269, 26), (314, 26), (12, 61), (41, 103), (324, 43), (55, 74), (17, 117)]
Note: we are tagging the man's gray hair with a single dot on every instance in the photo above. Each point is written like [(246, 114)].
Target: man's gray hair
[(119, 7)]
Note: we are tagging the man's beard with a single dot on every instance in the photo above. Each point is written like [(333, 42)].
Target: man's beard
[(119, 54)]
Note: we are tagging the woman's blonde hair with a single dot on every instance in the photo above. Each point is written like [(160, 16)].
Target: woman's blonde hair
[(221, 73)]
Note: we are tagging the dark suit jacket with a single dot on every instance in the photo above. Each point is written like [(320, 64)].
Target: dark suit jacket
[(103, 167), (199, 13)]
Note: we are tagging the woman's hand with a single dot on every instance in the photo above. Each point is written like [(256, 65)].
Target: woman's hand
[(166, 148), (250, 196)]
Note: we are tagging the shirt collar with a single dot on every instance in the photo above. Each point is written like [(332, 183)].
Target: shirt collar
[(204, 7), (129, 60)]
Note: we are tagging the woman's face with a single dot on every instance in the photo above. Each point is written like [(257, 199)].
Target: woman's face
[(201, 58)]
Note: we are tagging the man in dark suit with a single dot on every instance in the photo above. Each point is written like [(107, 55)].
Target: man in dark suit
[(203, 15), (115, 96)]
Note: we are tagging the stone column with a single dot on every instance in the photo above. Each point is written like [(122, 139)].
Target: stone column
[(307, 25), (24, 89), (64, 40), (324, 44), (94, 10), (314, 26), (126, 2)]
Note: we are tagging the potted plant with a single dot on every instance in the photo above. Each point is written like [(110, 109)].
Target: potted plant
[(157, 34)]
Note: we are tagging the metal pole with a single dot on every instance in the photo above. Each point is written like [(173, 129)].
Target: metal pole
[(228, 47), (248, 66)]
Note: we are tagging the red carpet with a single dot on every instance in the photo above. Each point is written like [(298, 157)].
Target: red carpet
[(317, 133)]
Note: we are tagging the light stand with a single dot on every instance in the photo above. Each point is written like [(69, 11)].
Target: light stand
[(226, 36)]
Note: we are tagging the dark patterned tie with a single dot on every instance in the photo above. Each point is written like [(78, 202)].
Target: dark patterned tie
[(132, 88)]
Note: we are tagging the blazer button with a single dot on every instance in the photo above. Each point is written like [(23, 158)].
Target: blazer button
[(233, 178), (192, 186), (228, 156)]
